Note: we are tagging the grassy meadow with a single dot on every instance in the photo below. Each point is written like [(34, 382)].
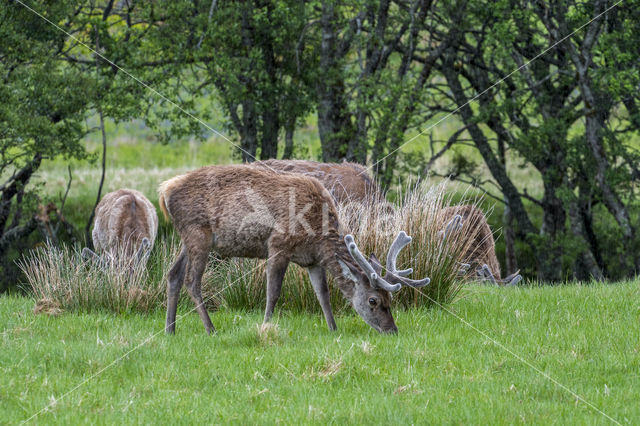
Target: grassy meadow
[(101, 357), (100, 368)]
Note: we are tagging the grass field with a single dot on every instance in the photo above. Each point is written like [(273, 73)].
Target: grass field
[(105, 369)]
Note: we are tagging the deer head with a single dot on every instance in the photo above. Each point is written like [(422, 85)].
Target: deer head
[(371, 298), (483, 272), (107, 260)]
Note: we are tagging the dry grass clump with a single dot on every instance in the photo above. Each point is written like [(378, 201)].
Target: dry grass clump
[(62, 276), (268, 333), (330, 368)]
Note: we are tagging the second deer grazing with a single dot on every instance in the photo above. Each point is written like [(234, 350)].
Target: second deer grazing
[(482, 253), (346, 182), (126, 223), (244, 211)]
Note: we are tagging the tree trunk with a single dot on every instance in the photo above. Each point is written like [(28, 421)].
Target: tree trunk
[(87, 229), (270, 116), (269, 142), (334, 120), (552, 229), (288, 139), (249, 134), (586, 265), (511, 263)]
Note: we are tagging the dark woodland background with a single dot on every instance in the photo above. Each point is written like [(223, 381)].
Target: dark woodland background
[(541, 111)]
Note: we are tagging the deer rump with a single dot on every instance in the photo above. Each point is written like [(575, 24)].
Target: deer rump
[(125, 223)]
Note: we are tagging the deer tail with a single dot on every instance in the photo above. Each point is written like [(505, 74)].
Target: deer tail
[(162, 200)]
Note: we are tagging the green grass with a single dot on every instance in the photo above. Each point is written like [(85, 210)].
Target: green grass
[(437, 370)]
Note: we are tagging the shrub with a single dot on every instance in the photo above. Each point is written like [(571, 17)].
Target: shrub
[(62, 275)]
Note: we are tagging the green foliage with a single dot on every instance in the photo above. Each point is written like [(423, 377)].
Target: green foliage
[(375, 73)]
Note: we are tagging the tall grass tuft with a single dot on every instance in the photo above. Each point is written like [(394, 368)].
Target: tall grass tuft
[(420, 214), (60, 274)]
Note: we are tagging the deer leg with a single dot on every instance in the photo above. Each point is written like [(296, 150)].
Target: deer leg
[(176, 277), (197, 264), (276, 268), (318, 279)]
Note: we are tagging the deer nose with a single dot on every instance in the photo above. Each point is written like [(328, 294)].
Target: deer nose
[(391, 330)]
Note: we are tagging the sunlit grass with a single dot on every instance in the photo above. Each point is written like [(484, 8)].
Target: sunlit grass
[(436, 370)]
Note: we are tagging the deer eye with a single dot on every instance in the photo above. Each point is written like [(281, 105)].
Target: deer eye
[(373, 301)]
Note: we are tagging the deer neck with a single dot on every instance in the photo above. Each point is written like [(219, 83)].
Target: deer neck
[(334, 249)]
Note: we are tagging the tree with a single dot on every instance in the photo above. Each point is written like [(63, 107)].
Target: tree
[(376, 61), (255, 65), (51, 85), (558, 115)]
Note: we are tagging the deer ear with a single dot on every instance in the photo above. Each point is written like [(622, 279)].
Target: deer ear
[(347, 272)]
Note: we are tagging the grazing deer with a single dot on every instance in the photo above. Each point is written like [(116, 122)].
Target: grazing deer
[(351, 183), (125, 222), (482, 253), (244, 211)]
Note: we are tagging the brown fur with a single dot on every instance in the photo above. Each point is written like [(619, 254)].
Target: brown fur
[(483, 250), (124, 217), (349, 182), (246, 211)]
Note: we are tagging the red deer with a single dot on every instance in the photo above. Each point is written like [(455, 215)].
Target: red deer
[(243, 211), (349, 182), (125, 222), (482, 253)]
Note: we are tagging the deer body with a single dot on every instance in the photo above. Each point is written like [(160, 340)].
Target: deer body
[(125, 220), (483, 250), (243, 211)]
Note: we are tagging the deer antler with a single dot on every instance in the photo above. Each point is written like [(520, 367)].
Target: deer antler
[(393, 279), (485, 275), (395, 276), (375, 279), (453, 225)]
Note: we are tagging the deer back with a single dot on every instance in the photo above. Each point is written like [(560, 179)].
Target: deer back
[(124, 217), (248, 210), (347, 182)]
